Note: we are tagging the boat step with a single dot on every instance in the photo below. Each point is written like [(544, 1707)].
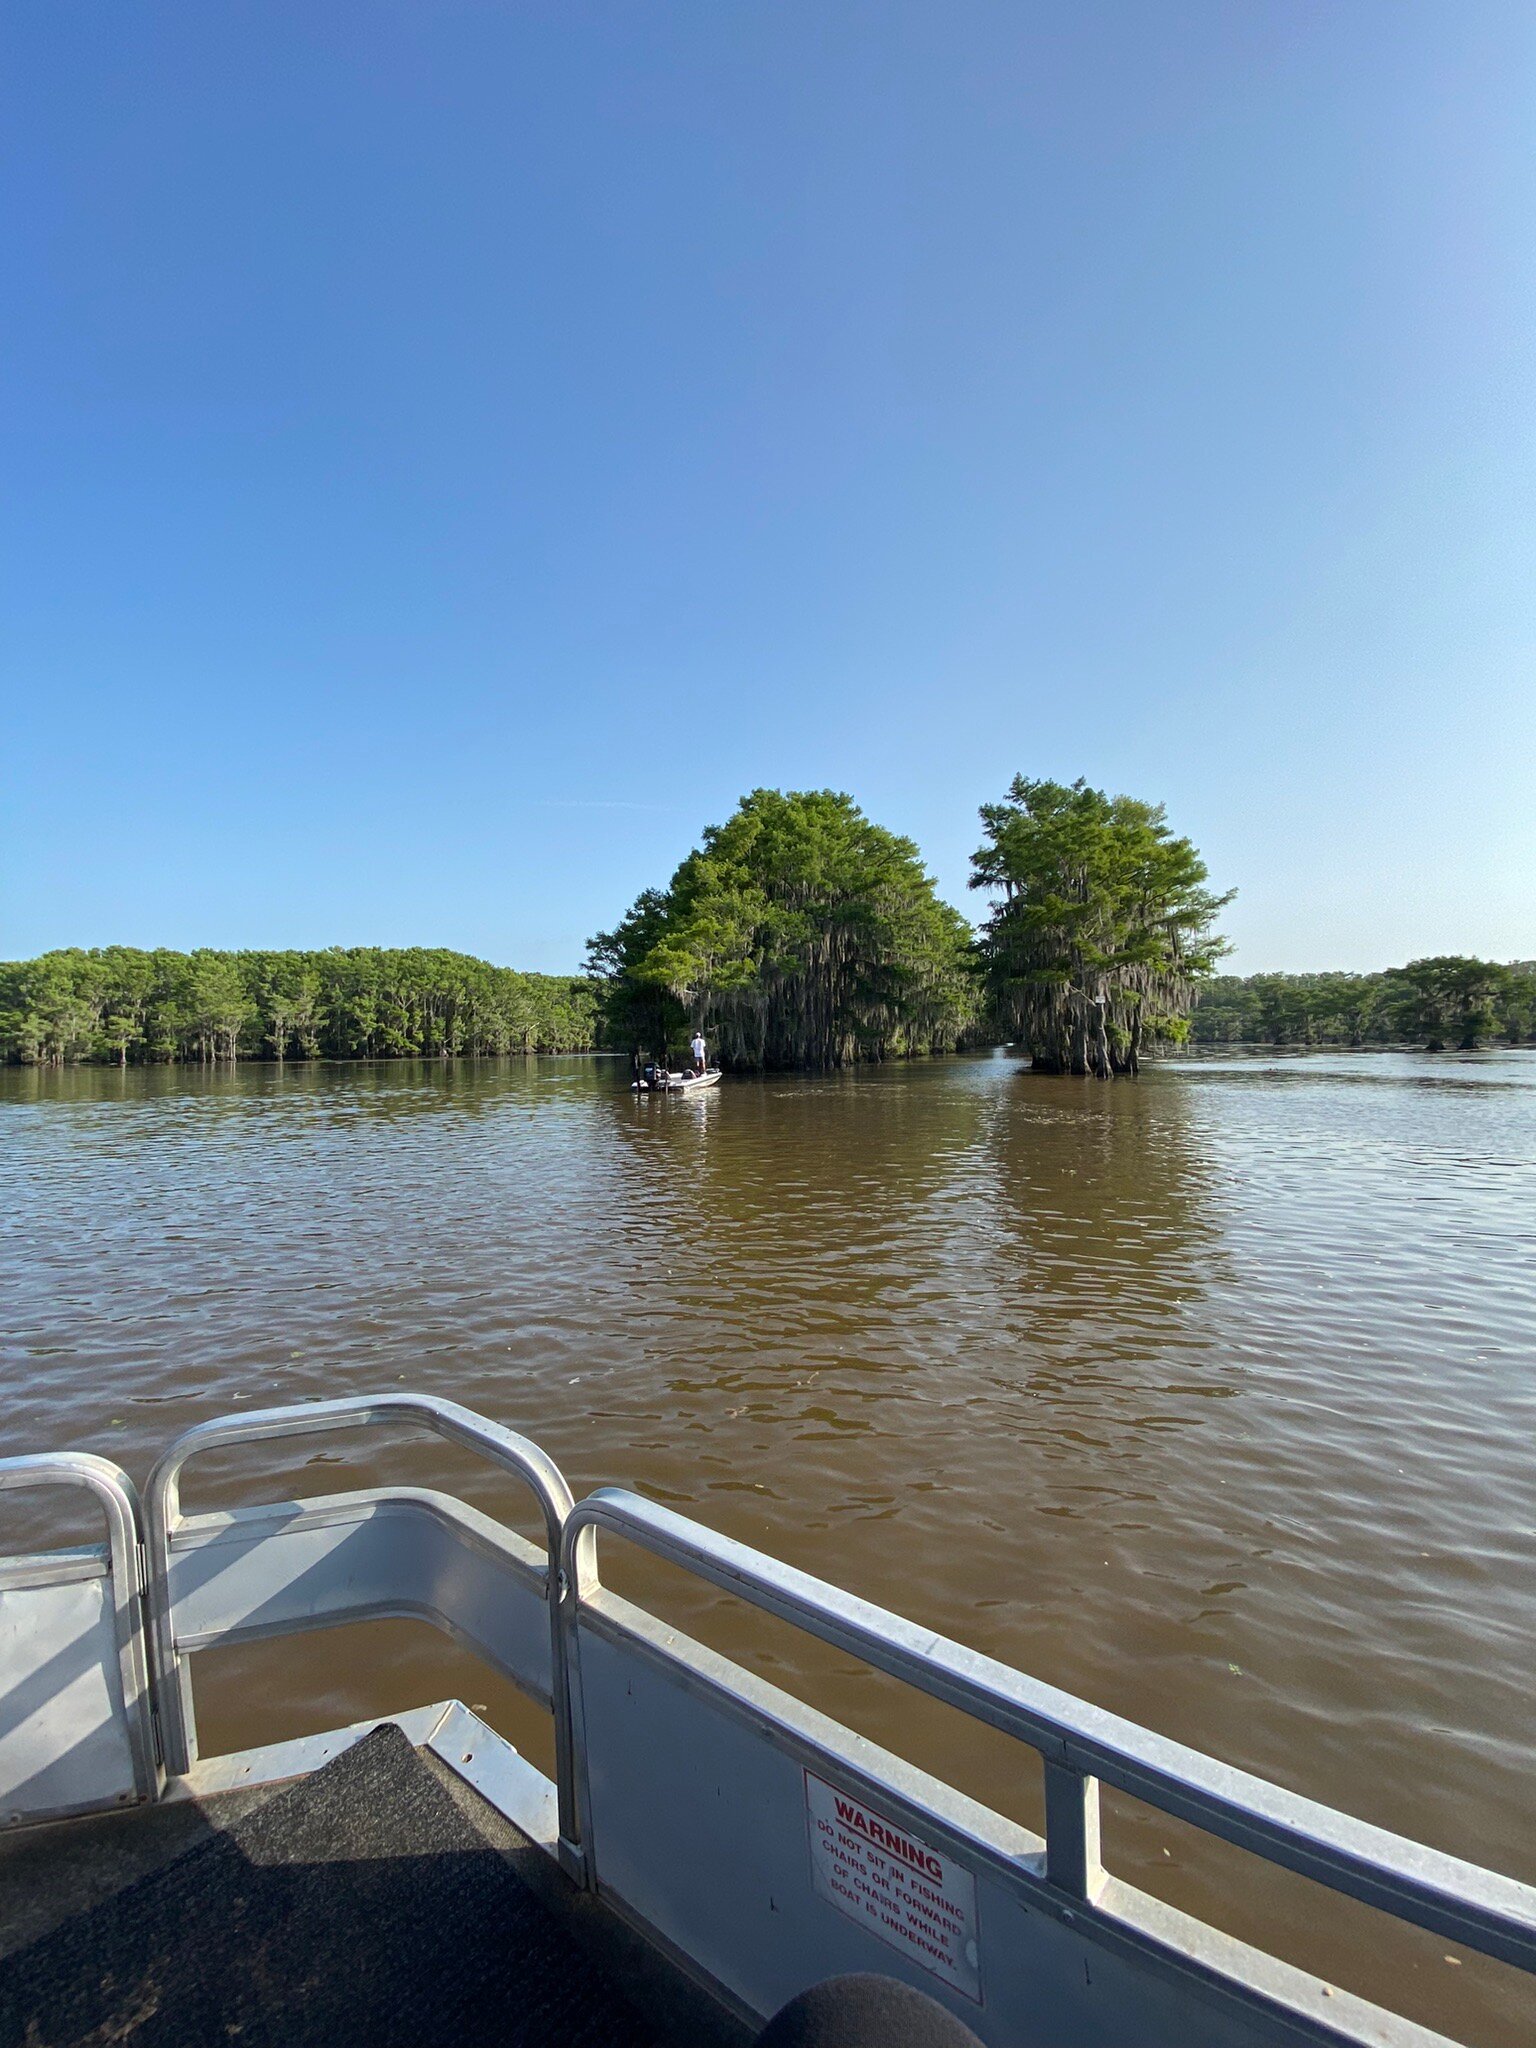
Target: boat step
[(355, 1908)]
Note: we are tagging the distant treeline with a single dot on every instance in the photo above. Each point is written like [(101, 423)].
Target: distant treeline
[(798, 934), (356, 1002), (1451, 1000)]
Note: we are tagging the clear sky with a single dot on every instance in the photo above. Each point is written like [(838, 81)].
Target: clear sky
[(451, 451)]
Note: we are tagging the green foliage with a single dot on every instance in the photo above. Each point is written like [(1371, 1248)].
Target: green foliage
[(637, 1011), (1448, 1000), (1103, 930), (798, 934), (359, 1002)]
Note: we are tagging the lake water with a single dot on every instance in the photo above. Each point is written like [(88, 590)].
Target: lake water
[(1209, 1397)]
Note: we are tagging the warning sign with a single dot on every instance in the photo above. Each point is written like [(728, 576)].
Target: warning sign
[(907, 1893)]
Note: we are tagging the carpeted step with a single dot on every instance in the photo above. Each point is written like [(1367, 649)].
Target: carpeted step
[(358, 1908)]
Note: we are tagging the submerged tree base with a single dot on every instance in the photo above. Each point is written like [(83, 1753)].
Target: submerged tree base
[(1118, 1067)]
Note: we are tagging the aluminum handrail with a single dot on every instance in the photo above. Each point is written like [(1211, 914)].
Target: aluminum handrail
[(119, 1502), (447, 1419), (1081, 1743)]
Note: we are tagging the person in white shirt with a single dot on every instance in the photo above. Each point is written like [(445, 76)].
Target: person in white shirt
[(697, 1048)]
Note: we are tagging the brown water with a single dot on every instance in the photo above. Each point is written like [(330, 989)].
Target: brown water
[(1209, 1398)]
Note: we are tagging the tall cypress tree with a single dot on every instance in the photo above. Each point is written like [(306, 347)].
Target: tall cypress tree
[(1104, 926), (797, 934)]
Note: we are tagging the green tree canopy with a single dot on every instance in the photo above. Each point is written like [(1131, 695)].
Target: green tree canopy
[(1103, 929), (357, 1002), (797, 934), (1448, 1000)]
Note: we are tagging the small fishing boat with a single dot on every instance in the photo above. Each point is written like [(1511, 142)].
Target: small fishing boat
[(677, 1084)]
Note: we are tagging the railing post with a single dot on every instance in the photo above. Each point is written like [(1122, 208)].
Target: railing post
[(577, 1580), (1072, 1831), (119, 1501)]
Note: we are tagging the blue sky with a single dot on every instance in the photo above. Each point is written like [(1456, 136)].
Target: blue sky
[(450, 452)]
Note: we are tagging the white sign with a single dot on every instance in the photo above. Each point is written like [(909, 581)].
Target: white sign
[(880, 1874)]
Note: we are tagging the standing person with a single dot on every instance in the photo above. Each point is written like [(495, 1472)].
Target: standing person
[(700, 1064)]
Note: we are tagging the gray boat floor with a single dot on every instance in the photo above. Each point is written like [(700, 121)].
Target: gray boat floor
[(376, 1904)]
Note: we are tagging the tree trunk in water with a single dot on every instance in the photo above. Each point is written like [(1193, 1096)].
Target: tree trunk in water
[(1100, 1062)]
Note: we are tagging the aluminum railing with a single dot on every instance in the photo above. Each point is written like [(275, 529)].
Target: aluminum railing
[(445, 1419), (119, 1502), (1081, 1745)]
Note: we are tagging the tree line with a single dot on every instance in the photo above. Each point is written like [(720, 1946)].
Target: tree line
[(798, 933), (116, 1003), (1449, 1000)]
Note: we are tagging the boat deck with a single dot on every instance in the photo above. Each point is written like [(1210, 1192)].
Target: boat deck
[(376, 1902), (707, 1849)]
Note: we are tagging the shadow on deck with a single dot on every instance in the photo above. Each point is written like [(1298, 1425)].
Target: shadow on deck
[(367, 1906)]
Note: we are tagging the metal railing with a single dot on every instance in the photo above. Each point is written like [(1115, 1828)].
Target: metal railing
[(119, 1502), (1081, 1745), (446, 1419)]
